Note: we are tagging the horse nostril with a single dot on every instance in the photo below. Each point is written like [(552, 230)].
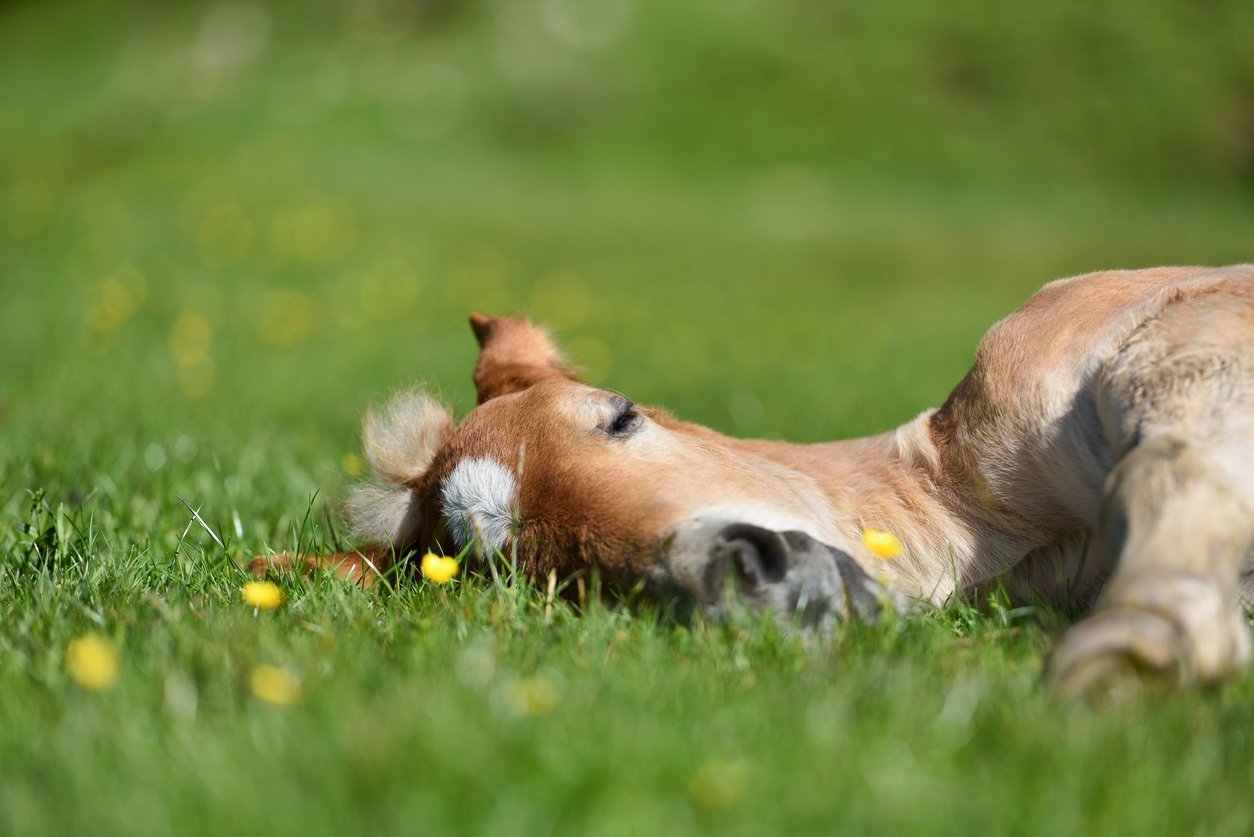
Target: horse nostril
[(759, 556)]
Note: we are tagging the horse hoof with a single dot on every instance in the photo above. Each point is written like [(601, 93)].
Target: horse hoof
[(1117, 655), (1152, 634)]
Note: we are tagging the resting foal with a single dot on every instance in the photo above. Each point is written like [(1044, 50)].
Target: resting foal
[(1100, 452)]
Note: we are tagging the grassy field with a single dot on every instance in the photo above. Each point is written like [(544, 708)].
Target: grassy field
[(225, 230)]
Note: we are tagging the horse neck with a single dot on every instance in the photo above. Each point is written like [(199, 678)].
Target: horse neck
[(897, 482)]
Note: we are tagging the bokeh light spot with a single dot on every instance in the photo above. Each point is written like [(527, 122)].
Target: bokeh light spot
[(93, 662), (116, 298), (191, 337), (480, 284), (592, 356), (232, 36), (286, 317), (532, 696), (719, 784), (275, 686), (560, 297), (353, 464), (154, 457), (587, 24), (315, 233)]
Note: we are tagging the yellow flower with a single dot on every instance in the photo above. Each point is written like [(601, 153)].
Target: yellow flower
[(92, 661), (274, 685), (263, 595), (884, 544), (439, 569)]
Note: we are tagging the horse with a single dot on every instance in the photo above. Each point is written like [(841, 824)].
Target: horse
[(1098, 455)]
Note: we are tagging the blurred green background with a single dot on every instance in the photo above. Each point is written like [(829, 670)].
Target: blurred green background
[(227, 228), (784, 218)]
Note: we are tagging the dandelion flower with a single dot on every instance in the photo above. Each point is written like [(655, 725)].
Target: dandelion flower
[(884, 544), (92, 661), (263, 595), (274, 685), (439, 569)]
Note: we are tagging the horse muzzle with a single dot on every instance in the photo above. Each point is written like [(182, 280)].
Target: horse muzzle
[(716, 567)]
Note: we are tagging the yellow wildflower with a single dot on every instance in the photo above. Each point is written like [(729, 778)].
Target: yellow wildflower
[(274, 685), (439, 569), (263, 595), (884, 544), (92, 661)]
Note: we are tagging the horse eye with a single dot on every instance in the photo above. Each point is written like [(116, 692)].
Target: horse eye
[(625, 421)]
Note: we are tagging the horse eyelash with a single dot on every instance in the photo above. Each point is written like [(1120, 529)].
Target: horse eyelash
[(625, 420)]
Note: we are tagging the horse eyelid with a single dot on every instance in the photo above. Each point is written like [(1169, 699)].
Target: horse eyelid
[(625, 421)]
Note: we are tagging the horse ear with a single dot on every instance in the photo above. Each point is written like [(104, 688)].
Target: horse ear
[(400, 440), (514, 355)]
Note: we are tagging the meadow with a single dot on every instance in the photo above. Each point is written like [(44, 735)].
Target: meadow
[(227, 229)]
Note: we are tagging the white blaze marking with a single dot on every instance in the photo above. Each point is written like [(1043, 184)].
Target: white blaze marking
[(479, 500)]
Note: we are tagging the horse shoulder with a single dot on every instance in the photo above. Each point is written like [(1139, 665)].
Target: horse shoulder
[(1020, 434)]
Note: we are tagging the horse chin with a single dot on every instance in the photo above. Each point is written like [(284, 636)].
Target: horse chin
[(716, 567)]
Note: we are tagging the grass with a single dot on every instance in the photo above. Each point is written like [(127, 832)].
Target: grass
[(210, 268)]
